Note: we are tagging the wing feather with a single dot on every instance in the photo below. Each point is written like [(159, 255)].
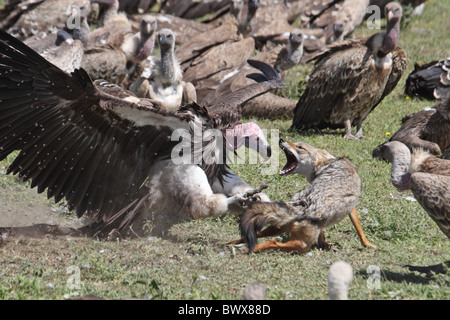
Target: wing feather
[(76, 138), (226, 108), (433, 193)]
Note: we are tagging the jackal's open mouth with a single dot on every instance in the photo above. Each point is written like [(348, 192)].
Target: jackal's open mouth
[(291, 160)]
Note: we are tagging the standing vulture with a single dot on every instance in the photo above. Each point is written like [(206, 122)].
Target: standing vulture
[(350, 79), (113, 156), (427, 176)]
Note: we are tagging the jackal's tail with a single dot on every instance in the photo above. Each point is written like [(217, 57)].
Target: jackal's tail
[(258, 214)]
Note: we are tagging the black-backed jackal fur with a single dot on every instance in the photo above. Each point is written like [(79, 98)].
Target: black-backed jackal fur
[(333, 193)]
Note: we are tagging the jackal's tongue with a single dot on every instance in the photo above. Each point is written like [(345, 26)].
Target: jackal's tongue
[(291, 163)]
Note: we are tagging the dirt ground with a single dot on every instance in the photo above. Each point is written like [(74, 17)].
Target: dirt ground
[(21, 206)]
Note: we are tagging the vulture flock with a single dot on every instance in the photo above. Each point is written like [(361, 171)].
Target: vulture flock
[(129, 110)]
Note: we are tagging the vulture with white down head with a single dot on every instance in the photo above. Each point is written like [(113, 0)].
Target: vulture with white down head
[(165, 84), (110, 153), (351, 78)]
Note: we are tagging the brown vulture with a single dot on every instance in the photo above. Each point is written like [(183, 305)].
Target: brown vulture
[(351, 78)]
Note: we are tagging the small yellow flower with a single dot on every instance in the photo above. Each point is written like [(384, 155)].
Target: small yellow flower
[(301, 80), (407, 98), (388, 134)]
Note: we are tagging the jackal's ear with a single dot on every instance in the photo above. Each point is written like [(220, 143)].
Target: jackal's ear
[(322, 157)]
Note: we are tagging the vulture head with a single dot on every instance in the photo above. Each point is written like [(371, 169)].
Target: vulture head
[(250, 135), (236, 7), (399, 155), (148, 26), (147, 38), (166, 39), (393, 12), (296, 37)]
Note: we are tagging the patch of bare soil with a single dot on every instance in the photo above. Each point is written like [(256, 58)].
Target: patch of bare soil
[(24, 210)]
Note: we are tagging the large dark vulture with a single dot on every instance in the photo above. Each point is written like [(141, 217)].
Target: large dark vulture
[(427, 176), (350, 79), (429, 81), (115, 157)]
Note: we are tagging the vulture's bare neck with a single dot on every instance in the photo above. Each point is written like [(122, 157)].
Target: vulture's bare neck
[(383, 43), (295, 52), (146, 45), (168, 65), (390, 38), (400, 170), (82, 33)]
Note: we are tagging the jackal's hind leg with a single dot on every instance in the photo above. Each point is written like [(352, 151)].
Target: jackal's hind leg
[(302, 236), (298, 246)]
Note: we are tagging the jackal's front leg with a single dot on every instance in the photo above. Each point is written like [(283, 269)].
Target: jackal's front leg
[(355, 220)]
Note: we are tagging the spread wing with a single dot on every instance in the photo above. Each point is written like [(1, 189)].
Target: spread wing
[(226, 109), (335, 77), (433, 193), (90, 143)]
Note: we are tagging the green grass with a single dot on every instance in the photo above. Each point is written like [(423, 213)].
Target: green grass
[(192, 261)]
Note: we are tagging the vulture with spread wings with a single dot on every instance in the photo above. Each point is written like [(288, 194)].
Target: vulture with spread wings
[(112, 155)]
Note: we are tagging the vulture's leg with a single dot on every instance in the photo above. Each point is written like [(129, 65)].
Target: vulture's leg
[(359, 132), (348, 130)]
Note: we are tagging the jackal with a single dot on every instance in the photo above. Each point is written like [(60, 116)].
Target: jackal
[(333, 193)]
